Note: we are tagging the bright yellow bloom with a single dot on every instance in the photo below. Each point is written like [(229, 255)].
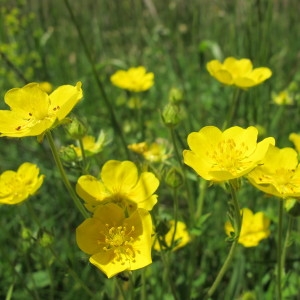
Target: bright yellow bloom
[(33, 111), (283, 98), (255, 227), (181, 237), (279, 173), (121, 184), (295, 138), (220, 156), (133, 80), (238, 72), (115, 242), (91, 146), (154, 152), (16, 187), (46, 86)]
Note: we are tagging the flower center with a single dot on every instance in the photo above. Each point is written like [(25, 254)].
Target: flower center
[(228, 156), (119, 241)]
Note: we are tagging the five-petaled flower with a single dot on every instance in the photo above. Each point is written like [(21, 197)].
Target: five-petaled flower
[(175, 240), (116, 242), (220, 156), (238, 72), (33, 111), (15, 187), (133, 80), (121, 184), (279, 173), (255, 227)]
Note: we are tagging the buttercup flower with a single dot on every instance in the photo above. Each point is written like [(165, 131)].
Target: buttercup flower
[(238, 72), (16, 187), (154, 152), (181, 237), (295, 139), (46, 86), (33, 111), (221, 156), (255, 227), (282, 98), (115, 242), (279, 173), (120, 183), (133, 80), (91, 145)]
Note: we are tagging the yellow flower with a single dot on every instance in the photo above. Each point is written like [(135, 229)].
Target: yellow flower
[(91, 146), (115, 242), (121, 184), (16, 187), (33, 111), (221, 156), (133, 80), (295, 138), (279, 173), (154, 152), (181, 237), (46, 86), (283, 98), (238, 72), (255, 227)]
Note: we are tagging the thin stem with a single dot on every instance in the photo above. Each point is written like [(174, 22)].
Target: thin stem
[(237, 225), (279, 251), (287, 240), (64, 177), (232, 109), (175, 212), (114, 120)]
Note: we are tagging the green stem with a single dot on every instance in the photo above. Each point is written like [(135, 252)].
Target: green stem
[(287, 240), (175, 211), (237, 226), (200, 202), (279, 251), (84, 164), (64, 177), (107, 103), (66, 266), (232, 109), (179, 159)]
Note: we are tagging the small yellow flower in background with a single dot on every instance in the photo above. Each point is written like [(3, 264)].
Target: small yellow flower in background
[(295, 139), (238, 72), (46, 86), (283, 98), (115, 242), (133, 80), (255, 227), (220, 156), (154, 152), (181, 237), (16, 187), (120, 183), (279, 173), (33, 111), (91, 146)]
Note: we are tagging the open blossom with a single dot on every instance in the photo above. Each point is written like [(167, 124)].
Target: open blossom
[(33, 111), (279, 173), (180, 238), (115, 242), (17, 186), (220, 156), (238, 72), (121, 184), (255, 227), (133, 80)]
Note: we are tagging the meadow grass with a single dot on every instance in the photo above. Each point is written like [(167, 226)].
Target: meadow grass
[(62, 43)]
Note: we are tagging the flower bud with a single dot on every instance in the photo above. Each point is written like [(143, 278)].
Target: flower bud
[(76, 129), (175, 96), (171, 115), (174, 178)]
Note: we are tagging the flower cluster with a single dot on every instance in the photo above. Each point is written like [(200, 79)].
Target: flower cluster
[(118, 235)]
